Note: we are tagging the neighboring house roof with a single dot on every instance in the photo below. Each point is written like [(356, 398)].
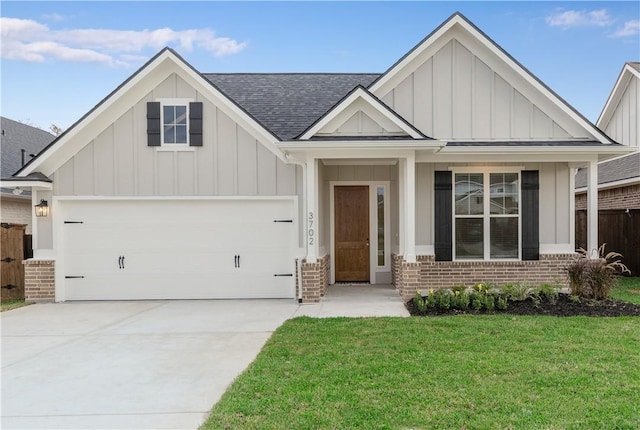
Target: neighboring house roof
[(619, 169), (631, 70), (288, 103), (15, 136)]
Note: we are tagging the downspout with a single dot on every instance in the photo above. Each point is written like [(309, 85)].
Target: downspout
[(304, 211)]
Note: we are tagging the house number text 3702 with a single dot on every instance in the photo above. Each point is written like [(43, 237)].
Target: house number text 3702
[(311, 232)]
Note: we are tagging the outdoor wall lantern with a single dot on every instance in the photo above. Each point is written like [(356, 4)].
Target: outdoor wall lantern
[(42, 208)]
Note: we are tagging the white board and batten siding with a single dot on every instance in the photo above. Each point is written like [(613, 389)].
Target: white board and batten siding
[(624, 124), (455, 95), (231, 162), (126, 249)]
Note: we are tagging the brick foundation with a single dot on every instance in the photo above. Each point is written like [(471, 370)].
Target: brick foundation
[(427, 273), (39, 280), (613, 198), (315, 280)]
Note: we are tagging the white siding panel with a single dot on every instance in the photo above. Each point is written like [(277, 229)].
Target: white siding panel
[(145, 156), (548, 203), (403, 99), (562, 203), (559, 132), (63, 181), (381, 173), (167, 88), (352, 125), (482, 99), (165, 173), (522, 116), (226, 160), (424, 197), (462, 100), (105, 163), (423, 98), (185, 177), (502, 108), (247, 164), (83, 172), (123, 146), (285, 178), (443, 109), (542, 124), (368, 126), (266, 172)]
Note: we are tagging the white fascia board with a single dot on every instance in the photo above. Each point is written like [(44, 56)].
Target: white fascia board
[(626, 74), (613, 184), (125, 97), (375, 104), (361, 144), (34, 185), (604, 151), (392, 77)]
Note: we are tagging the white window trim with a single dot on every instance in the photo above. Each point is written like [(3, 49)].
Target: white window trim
[(486, 216), (173, 102)]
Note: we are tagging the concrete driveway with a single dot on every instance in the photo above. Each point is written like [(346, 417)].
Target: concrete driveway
[(159, 364)]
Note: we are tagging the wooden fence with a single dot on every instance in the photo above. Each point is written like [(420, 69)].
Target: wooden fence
[(619, 229)]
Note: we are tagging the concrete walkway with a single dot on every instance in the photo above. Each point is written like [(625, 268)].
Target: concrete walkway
[(148, 364), (357, 301)]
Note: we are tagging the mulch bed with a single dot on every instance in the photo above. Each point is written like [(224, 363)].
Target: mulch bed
[(565, 307)]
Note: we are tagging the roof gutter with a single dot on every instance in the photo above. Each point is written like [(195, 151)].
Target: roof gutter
[(361, 144)]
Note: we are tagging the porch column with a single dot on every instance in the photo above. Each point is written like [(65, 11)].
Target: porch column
[(592, 209), (409, 208), (311, 217), (401, 206)]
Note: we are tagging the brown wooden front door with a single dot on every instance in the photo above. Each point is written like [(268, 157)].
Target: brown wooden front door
[(12, 271), (352, 233)]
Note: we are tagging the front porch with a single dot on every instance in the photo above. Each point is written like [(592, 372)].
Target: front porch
[(399, 240)]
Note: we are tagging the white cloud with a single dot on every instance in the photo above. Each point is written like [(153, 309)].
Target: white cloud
[(29, 40), (575, 18), (630, 28)]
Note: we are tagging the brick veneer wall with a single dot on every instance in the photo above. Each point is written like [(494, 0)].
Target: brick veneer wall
[(16, 212), (396, 266), (315, 279), (614, 198), (446, 274), (39, 280)]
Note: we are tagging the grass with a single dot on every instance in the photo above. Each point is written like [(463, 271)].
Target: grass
[(471, 372), (12, 304), (628, 289)]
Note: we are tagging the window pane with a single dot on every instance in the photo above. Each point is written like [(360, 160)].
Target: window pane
[(504, 193), (181, 115), (504, 237), (469, 238), (181, 134), (469, 193), (380, 192), (169, 114), (169, 134)]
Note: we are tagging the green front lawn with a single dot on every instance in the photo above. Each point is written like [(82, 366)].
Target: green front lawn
[(628, 289), (12, 304), (498, 371)]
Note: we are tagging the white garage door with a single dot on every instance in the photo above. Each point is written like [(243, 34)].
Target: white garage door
[(178, 249)]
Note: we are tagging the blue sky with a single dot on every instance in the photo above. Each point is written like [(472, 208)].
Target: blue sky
[(59, 59)]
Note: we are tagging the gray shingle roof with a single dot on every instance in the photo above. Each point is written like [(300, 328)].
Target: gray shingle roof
[(16, 136), (288, 103), (615, 170)]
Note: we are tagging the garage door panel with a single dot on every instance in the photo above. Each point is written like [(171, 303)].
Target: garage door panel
[(179, 249)]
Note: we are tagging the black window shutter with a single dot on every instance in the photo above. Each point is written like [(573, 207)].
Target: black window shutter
[(195, 124), (443, 216), (530, 215), (153, 124)]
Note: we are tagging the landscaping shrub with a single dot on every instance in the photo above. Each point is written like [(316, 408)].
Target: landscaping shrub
[(593, 278)]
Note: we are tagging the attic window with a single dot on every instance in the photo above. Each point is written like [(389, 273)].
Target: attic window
[(174, 124)]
